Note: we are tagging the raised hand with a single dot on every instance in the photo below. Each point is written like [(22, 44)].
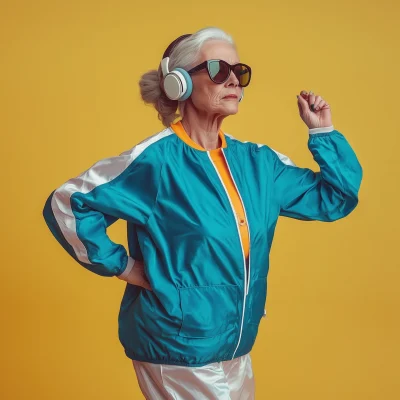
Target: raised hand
[(314, 110)]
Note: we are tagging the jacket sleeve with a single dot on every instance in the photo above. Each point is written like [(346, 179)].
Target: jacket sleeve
[(79, 212), (326, 195)]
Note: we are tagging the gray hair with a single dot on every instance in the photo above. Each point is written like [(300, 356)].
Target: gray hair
[(183, 55)]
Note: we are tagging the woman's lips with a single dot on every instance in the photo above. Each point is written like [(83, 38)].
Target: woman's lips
[(230, 96)]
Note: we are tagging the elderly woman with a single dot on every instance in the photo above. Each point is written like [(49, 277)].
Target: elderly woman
[(201, 208)]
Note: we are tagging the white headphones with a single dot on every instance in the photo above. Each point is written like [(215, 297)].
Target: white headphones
[(177, 83)]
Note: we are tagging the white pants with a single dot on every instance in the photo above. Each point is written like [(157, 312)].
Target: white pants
[(227, 380)]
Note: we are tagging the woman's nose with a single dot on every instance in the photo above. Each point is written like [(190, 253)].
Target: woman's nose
[(232, 80)]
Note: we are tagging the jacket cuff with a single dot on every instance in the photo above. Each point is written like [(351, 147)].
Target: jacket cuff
[(129, 266), (325, 129)]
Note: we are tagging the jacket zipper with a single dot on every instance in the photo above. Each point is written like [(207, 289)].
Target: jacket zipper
[(246, 275)]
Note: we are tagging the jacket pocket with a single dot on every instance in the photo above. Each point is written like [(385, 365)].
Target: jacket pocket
[(257, 298), (208, 311)]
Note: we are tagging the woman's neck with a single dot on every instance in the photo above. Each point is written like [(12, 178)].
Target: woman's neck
[(202, 129)]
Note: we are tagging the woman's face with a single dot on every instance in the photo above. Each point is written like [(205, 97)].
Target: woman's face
[(209, 97)]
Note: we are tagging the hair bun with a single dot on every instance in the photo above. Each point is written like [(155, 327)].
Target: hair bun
[(152, 93)]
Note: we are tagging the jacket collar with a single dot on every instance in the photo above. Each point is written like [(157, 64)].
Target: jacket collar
[(179, 130)]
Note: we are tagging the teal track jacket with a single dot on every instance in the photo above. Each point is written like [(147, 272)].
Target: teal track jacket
[(203, 306)]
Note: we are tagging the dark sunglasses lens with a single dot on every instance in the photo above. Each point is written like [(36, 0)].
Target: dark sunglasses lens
[(242, 73), (219, 71)]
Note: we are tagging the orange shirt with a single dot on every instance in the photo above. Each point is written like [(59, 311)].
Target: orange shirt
[(219, 161)]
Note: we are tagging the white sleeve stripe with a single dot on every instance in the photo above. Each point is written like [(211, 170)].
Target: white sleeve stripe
[(101, 172), (285, 159)]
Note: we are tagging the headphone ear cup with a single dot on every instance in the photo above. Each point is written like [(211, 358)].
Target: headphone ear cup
[(173, 86), (187, 82), (178, 84)]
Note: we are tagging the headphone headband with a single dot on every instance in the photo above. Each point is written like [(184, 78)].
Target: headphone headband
[(169, 49)]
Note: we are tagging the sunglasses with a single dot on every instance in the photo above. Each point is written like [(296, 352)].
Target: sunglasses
[(219, 71)]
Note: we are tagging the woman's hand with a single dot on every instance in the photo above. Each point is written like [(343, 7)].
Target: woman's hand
[(137, 275), (314, 110)]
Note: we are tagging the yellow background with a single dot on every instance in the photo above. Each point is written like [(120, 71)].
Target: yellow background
[(69, 97)]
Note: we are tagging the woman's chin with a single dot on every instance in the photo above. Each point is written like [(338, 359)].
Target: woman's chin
[(231, 109)]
